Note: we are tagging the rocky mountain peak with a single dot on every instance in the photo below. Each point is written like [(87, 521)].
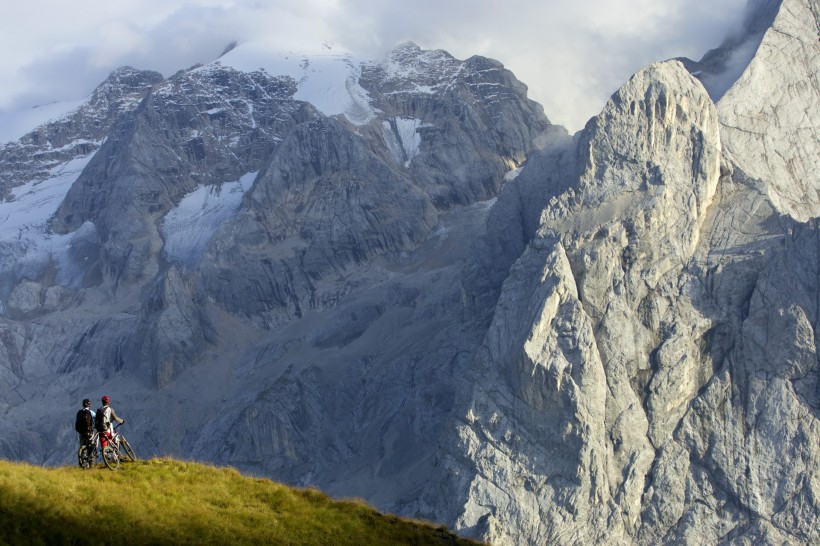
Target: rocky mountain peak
[(75, 134), (125, 82), (662, 104), (631, 369), (559, 373)]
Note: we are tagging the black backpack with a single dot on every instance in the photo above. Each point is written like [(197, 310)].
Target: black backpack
[(100, 422), (83, 422)]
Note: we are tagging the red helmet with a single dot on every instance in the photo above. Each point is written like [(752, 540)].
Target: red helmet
[(106, 399)]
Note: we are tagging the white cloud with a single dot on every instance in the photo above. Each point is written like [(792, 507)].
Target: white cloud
[(571, 55)]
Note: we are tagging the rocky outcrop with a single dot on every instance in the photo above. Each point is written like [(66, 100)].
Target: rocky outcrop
[(29, 299), (514, 220), (205, 126), (568, 428), (472, 120), (324, 205), (767, 85), (654, 331), (78, 133)]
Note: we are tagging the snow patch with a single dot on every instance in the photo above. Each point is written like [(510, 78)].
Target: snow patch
[(403, 138), (15, 125), (189, 226), (328, 79), (509, 176), (33, 203), (26, 246)]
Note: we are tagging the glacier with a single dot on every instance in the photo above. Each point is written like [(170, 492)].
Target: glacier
[(189, 226)]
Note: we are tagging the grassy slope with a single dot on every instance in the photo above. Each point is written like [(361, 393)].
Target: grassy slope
[(163, 501)]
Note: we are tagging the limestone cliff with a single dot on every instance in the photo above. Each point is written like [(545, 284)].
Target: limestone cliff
[(770, 118), (651, 371)]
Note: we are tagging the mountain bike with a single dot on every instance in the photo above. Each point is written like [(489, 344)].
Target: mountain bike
[(118, 449), (88, 452)]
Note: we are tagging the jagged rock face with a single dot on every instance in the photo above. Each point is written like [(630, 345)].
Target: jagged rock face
[(513, 221), (770, 117), (48, 157), (651, 371), (76, 134), (470, 121), (204, 126), (565, 418), (747, 446), (324, 205)]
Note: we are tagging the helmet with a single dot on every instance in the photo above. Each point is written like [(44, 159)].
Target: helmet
[(106, 399)]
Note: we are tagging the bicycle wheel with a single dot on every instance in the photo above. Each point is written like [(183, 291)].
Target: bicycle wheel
[(126, 450), (85, 457), (111, 457)]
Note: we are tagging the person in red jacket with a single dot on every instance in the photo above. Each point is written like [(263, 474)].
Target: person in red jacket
[(104, 418)]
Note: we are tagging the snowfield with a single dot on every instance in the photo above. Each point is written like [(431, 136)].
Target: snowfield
[(189, 226), (15, 125), (327, 78), (25, 241)]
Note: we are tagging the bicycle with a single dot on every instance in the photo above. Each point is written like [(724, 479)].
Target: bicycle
[(88, 452), (117, 449)]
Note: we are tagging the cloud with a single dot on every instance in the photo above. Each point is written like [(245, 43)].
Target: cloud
[(572, 56)]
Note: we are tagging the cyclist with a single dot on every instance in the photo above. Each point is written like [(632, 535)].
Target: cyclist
[(103, 420), (84, 424)]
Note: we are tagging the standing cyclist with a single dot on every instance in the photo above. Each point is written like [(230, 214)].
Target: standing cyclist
[(103, 420), (84, 424)]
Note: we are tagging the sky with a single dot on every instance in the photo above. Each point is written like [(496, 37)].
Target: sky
[(571, 55)]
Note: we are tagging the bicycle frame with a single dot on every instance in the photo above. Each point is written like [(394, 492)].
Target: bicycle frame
[(116, 449)]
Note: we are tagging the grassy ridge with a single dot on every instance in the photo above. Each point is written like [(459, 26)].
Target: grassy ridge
[(163, 501)]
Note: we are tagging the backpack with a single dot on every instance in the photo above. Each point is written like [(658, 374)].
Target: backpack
[(102, 420), (83, 422)]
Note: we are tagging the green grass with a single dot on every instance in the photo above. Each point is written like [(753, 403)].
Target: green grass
[(164, 501)]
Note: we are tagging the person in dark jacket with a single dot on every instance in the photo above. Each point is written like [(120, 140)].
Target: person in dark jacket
[(85, 423)]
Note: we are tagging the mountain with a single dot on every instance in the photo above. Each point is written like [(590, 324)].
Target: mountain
[(250, 275), (397, 280), (650, 374)]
